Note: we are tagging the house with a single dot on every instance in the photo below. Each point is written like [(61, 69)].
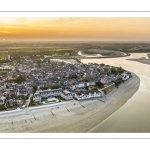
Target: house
[(46, 93), (2, 100), (2, 86), (125, 76), (105, 79), (72, 87), (80, 85), (87, 94), (92, 83), (10, 102), (12, 94), (67, 95), (95, 94), (78, 95), (21, 91)]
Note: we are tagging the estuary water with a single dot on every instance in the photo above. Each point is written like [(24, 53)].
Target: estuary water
[(133, 116)]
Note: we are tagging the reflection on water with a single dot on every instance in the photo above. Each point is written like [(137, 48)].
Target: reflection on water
[(134, 116)]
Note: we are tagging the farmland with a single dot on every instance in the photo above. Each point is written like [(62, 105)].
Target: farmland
[(67, 49)]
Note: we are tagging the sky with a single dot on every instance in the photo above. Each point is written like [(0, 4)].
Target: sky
[(74, 29)]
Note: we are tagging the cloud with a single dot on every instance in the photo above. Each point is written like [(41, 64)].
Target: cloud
[(5, 32), (22, 19)]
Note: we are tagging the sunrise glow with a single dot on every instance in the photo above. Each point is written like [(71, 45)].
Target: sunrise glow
[(75, 29)]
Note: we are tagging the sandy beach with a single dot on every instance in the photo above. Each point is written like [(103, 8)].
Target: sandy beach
[(69, 117)]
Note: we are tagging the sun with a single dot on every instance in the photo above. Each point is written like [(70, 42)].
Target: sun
[(3, 39)]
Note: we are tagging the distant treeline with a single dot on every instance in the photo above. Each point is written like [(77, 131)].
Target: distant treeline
[(17, 55)]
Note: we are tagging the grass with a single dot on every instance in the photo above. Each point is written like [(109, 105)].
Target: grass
[(49, 48), (88, 52), (3, 55), (109, 88)]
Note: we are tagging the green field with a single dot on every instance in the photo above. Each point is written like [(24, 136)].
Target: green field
[(3, 55), (69, 49)]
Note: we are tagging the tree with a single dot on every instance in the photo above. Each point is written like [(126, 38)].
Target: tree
[(113, 71), (99, 84), (44, 88), (39, 63), (19, 79), (53, 63), (56, 86), (62, 63), (73, 76), (105, 70), (34, 88), (107, 65), (86, 80), (32, 103), (2, 107), (7, 87), (102, 64), (120, 70)]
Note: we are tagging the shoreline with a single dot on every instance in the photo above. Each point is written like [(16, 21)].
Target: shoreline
[(72, 117), (120, 103), (86, 56), (133, 116)]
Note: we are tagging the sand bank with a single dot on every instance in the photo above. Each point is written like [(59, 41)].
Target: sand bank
[(134, 115)]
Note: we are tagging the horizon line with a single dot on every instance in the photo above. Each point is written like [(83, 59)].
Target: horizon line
[(79, 40)]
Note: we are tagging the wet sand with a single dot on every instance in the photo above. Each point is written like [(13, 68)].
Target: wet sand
[(133, 117), (72, 116), (144, 60)]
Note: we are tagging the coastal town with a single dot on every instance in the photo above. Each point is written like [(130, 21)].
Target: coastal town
[(70, 74), (42, 81)]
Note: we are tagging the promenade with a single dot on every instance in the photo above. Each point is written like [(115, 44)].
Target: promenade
[(72, 116)]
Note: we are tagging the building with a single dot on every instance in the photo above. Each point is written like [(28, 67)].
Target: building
[(21, 91), (12, 94), (46, 93), (2, 100), (67, 95), (125, 76), (87, 94), (9, 57), (80, 85), (73, 87)]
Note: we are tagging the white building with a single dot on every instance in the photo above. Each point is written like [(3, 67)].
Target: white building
[(86, 95), (87, 84), (125, 76), (46, 93), (7, 67), (80, 85), (67, 95), (92, 83), (73, 87), (8, 56), (2, 100)]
